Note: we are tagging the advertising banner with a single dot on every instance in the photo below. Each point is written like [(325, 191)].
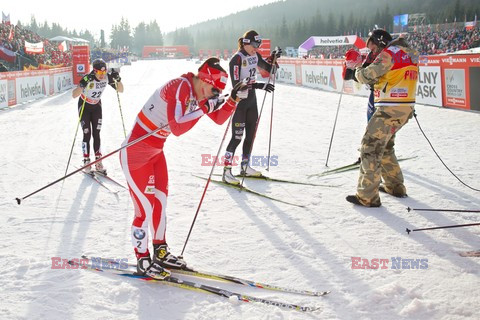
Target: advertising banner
[(62, 81), (30, 88), (286, 74), (3, 94), (455, 89), (429, 87), (327, 78)]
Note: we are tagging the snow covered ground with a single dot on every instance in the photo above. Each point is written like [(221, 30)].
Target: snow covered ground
[(237, 233)]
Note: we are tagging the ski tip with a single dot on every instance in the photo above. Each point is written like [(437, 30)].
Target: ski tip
[(18, 200)]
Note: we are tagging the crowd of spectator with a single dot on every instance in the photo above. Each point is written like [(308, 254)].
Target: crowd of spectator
[(13, 38), (426, 42), (448, 41)]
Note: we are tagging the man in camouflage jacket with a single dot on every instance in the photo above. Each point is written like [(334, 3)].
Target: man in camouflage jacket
[(394, 75)]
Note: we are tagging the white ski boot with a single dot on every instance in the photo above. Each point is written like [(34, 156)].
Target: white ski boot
[(86, 161), (99, 166), (228, 177), (248, 171)]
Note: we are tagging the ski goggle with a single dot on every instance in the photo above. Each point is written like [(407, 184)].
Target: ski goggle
[(254, 43), (100, 71)]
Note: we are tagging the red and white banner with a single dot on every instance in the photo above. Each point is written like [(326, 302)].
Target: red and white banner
[(34, 48)]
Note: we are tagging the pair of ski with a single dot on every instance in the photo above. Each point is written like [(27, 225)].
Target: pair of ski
[(265, 178), (119, 268), (246, 189), (96, 175), (348, 167)]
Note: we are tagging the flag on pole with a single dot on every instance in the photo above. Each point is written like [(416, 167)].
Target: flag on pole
[(63, 46), (5, 18), (10, 35)]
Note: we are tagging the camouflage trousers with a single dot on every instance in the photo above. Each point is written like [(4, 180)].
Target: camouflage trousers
[(378, 158)]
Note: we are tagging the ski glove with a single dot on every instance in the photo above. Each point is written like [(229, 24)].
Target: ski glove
[(212, 104), (115, 76), (369, 59), (277, 53), (240, 91), (349, 74), (353, 59), (86, 79), (264, 86)]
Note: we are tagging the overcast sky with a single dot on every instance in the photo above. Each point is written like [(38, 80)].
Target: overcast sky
[(102, 14)]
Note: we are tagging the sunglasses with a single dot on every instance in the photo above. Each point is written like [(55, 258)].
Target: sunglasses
[(216, 92), (100, 71)]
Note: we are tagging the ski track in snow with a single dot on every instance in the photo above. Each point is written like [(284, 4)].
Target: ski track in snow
[(237, 233)]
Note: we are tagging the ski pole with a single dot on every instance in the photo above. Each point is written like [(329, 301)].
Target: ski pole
[(120, 107), (271, 124), (19, 200), (206, 185), (334, 124), (445, 227), (75, 137), (446, 210), (258, 120)]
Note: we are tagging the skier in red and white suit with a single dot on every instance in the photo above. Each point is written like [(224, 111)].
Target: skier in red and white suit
[(175, 108)]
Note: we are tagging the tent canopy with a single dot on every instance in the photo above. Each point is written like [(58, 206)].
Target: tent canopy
[(62, 38), (80, 40), (330, 41)]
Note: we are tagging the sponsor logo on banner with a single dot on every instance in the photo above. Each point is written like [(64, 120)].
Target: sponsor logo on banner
[(451, 60), (286, 73), (455, 87), (80, 68), (429, 86), (333, 83), (3, 94), (321, 77)]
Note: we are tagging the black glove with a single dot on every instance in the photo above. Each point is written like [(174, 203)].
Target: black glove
[(349, 75), (264, 86), (86, 79), (370, 58), (240, 91), (115, 76), (277, 53)]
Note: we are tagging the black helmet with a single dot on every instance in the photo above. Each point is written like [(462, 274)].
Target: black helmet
[(99, 64), (380, 37)]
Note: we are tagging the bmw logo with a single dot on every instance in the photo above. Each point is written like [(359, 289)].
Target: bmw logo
[(139, 234)]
